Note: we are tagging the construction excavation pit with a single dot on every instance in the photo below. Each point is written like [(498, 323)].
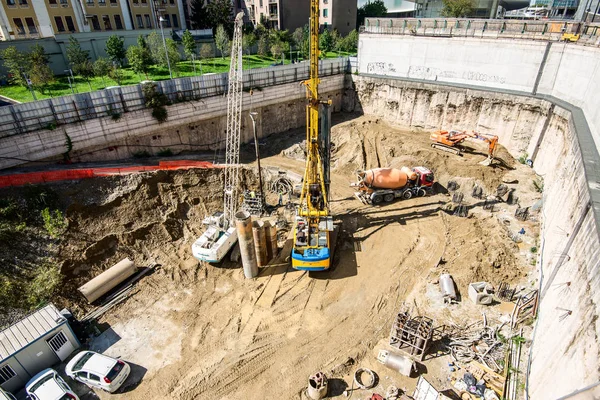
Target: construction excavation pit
[(397, 302)]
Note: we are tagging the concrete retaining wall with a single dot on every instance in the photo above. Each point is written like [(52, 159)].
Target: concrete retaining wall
[(565, 353), (194, 125)]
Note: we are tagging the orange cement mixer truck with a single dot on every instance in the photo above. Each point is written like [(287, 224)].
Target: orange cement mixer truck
[(383, 185)]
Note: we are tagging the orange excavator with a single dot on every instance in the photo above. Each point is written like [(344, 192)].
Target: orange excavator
[(451, 141)]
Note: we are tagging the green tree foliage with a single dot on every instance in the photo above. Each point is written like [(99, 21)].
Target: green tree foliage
[(80, 60), (199, 16), (375, 8), (206, 51), (39, 72), (326, 41), (174, 55), (248, 41), (457, 8), (263, 45), (14, 61), (139, 57), (102, 68), (349, 43), (276, 50), (219, 13), (298, 37), (189, 44), (115, 48), (156, 101), (222, 41)]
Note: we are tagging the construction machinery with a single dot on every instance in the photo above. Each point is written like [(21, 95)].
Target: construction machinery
[(313, 224), (379, 185), (221, 235), (451, 141)]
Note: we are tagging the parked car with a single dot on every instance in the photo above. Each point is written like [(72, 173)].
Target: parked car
[(48, 385), (98, 370), (6, 395)]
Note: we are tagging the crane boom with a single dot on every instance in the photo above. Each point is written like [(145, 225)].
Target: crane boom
[(311, 250), (221, 235), (234, 120)]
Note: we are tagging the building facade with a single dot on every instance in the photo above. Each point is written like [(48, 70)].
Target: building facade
[(278, 14), (29, 19), (338, 14)]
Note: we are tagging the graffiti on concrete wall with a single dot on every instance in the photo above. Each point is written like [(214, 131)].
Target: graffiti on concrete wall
[(380, 68), (423, 72)]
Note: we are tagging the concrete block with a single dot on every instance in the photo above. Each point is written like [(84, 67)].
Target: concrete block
[(480, 293)]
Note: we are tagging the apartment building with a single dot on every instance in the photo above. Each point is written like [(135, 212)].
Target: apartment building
[(27, 19), (338, 14), (291, 14)]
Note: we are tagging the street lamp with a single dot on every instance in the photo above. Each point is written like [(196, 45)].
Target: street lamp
[(162, 32)]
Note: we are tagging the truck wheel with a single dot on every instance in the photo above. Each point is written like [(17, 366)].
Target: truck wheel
[(421, 193), (407, 195), (388, 197), (376, 199)]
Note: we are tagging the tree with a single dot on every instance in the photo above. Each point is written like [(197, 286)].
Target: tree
[(115, 48), (298, 37), (174, 55), (219, 13), (326, 41), (206, 51), (157, 50), (189, 44), (222, 41), (40, 73), (248, 41), (263, 46), (80, 60), (457, 8), (14, 61), (375, 8), (139, 57), (199, 17), (349, 44), (102, 68), (276, 50)]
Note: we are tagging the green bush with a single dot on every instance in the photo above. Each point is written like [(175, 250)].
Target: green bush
[(43, 285), (53, 222), (160, 114), (164, 152), (141, 154)]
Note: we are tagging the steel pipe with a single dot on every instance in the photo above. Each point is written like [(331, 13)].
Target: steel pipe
[(243, 223), (260, 242), (107, 280), (271, 233)]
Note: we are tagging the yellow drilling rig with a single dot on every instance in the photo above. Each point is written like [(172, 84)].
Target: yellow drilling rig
[(313, 225)]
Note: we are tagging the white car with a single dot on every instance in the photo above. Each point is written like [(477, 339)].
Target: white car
[(48, 385), (98, 370), (6, 396)]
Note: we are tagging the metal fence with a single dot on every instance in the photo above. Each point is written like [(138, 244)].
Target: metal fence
[(50, 113), (589, 33)]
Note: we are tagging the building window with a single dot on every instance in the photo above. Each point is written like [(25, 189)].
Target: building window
[(59, 24), (148, 21), (23, 2), (144, 1), (140, 23), (6, 373), (52, 2), (10, 2), (70, 24), (118, 23), (167, 21), (136, 2), (172, 2), (113, 2), (106, 22), (64, 2), (102, 2), (90, 2), (95, 23), (175, 22), (19, 25), (325, 12), (30, 25)]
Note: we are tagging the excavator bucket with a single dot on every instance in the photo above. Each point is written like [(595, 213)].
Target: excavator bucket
[(487, 162)]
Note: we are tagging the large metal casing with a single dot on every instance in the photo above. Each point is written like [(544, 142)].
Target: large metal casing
[(385, 178), (107, 280), (260, 243), (243, 222)]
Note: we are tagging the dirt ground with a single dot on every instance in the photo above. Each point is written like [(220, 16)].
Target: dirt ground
[(195, 331)]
